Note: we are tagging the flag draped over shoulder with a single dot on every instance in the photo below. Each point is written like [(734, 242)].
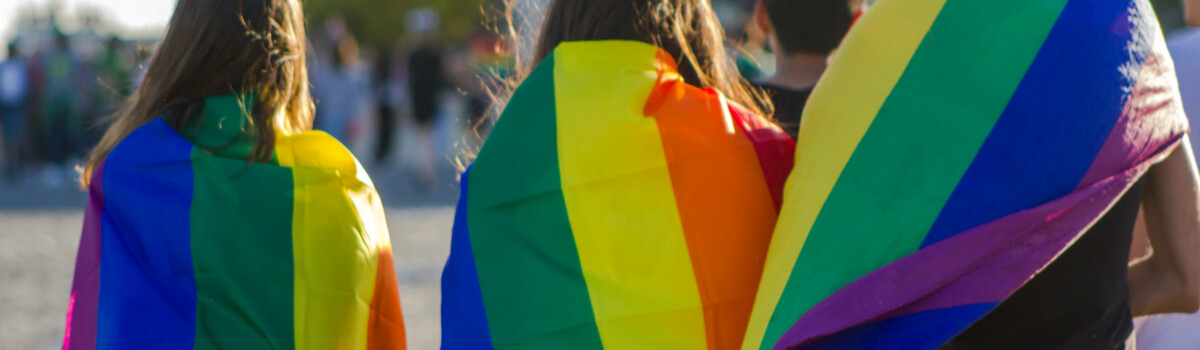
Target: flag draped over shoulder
[(954, 149), (186, 247), (613, 206)]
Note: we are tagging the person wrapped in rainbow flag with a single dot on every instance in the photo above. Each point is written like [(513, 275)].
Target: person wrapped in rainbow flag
[(956, 154), (215, 220), (616, 204)]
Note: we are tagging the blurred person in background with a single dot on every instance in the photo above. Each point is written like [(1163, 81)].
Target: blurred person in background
[(89, 49), (742, 40), (113, 74), (489, 63), (342, 92), (14, 102), (88, 87), (60, 117), (385, 86), (802, 34), (216, 218), (426, 81)]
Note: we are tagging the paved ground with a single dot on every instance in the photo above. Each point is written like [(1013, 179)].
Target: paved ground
[(39, 234)]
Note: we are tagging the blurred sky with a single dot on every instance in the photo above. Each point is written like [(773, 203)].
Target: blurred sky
[(130, 17)]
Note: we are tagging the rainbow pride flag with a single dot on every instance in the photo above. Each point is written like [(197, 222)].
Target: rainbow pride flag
[(613, 206), (955, 148), (190, 247)]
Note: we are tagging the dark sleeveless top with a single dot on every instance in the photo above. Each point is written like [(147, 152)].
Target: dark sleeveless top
[(789, 105), (1080, 301)]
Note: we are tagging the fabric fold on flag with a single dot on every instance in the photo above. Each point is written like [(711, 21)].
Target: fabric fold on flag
[(953, 150), (613, 206), (186, 245)]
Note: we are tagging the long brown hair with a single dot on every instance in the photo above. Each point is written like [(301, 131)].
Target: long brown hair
[(221, 47), (687, 29)]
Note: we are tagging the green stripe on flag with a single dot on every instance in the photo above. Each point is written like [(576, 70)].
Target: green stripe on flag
[(242, 254), (533, 286), (937, 117)]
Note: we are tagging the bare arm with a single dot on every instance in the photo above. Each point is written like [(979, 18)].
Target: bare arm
[(1169, 280)]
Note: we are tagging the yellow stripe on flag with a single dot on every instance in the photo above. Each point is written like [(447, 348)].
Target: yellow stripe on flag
[(620, 200), (843, 107), (335, 254)]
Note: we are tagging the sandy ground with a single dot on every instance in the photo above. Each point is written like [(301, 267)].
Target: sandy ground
[(37, 253), (36, 262)]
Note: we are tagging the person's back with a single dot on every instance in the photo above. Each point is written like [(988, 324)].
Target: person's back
[(216, 218), (952, 153), (1079, 301), (1087, 297), (802, 34), (599, 211)]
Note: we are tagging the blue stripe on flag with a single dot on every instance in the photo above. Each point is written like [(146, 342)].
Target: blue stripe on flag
[(147, 290), (464, 319), (1091, 51), (921, 330)]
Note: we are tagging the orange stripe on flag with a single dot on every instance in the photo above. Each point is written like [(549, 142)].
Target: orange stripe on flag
[(385, 327), (723, 199)]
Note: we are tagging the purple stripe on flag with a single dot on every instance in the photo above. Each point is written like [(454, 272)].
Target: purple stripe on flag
[(85, 287), (1151, 114), (985, 264)]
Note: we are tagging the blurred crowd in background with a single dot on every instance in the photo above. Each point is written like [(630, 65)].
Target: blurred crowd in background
[(55, 90), (59, 88), (418, 67)]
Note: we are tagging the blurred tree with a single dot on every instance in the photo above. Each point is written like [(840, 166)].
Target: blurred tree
[(381, 22)]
